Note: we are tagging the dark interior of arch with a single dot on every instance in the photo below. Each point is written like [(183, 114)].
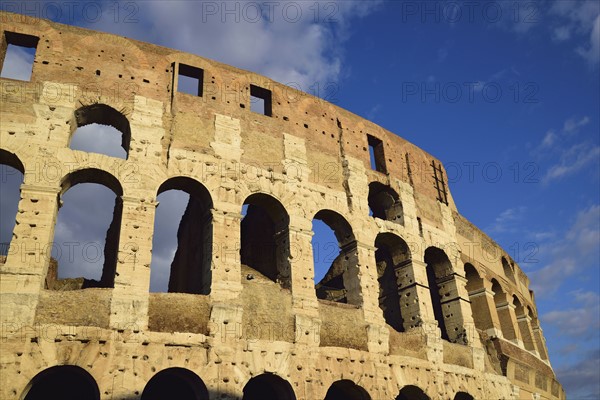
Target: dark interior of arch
[(385, 203), (463, 396), (474, 281), (412, 393), (11, 159), (175, 383), (508, 271), (268, 387), (105, 115), (332, 286), (392, 255), (111, 243), (346, 390), (438, 267), (65, 382), (191, 266), (265, 238)]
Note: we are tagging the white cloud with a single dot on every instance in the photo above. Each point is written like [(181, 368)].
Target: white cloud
[(507, 221), (562, 33), (580, 20), (591, 52), (570, 254), (297, 43), (570, 321), (572, 125), (582, 379), (573, 160)]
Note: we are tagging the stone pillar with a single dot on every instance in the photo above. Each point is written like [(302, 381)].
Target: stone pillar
[(26, 266), (524, 322), (225, 317), (368, 297), (508, 319), (304, 298), (415, 301), (538, 334), (484, 310), (457, 310), (129, 305)]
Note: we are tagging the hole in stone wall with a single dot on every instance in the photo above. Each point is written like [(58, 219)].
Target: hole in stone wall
[(268, 386), (99, 128), (260, 100), (385, 203), (20, 56), (190, 80), (438, 267), (376, 154)]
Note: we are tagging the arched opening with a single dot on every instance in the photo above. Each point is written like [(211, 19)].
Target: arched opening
[(476, 290), (385, 203), (438, 269), (99, 128), (412, 393), (265, 238), (64, 382), (346, 390), (11, 178), (341, 273), (86, 236), (182, 241), (463, 396), (508, 270), (175, 383), (391, 256), (268, 387), (523, 321)]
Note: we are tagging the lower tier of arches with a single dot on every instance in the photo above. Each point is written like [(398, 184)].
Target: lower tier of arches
[(97, 364)]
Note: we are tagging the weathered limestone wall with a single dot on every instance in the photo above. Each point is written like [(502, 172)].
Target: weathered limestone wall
[(307, 156)]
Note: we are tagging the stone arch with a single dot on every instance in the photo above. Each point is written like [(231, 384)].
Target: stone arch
[(265, 239), (508, 270), (412, 392), (10, 166), (343, 272), (65, 382), (439, 270), (268, 386), (385, 203), (111, 246), (190, 270), (524, 323), (392, 255), (345, 389), (463, 396), (177, 383), (102, 114)]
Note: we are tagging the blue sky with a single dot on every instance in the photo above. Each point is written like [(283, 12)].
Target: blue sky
[(505, 94)]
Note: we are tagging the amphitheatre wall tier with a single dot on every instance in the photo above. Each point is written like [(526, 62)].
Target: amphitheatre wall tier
[(419, 303)]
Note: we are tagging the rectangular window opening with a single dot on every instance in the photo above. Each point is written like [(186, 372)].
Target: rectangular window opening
[(19, 57), (376, 154), (190, 80), (260, 100)]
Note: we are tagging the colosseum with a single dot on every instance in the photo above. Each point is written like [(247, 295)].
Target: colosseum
[(419, 303)]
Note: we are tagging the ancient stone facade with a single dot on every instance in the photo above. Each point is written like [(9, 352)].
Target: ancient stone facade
[(419, 304)]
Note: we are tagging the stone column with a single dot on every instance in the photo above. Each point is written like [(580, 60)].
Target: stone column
[(524, 322), (538, 334), (457, 310), (304, 299), (508, 319), (415, 301), (225, 317), (23, 275), (484, 310), (129, 305), (365, 291)]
